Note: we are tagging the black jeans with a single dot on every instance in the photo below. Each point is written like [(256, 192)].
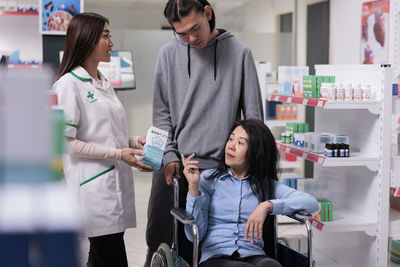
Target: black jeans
[(107, 251), (232, 261)]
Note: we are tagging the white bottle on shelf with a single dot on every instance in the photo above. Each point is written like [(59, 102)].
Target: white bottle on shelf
[(348, 92), (366, 92)]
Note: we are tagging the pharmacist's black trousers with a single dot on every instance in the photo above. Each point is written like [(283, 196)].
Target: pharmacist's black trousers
[(107, 251)]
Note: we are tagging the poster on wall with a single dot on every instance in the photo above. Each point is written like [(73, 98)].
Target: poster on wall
[(55, 15), (375, 32)]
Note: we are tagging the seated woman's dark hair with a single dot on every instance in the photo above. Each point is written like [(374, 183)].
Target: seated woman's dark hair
[(262, 157), (176, 9)]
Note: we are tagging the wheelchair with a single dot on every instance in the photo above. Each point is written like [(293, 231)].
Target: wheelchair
[(279, 249)]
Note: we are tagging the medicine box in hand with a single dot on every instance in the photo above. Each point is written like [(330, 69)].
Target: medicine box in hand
[(156, 140)]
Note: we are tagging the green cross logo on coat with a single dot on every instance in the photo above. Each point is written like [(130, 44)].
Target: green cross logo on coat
[(90, 95)]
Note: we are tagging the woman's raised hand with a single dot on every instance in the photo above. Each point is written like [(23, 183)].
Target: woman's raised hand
[(192, 174)]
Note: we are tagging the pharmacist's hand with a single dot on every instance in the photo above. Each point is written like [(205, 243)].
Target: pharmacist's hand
[(141, 141), (255, 222), (171, 170), (192, 174), (128, 155)]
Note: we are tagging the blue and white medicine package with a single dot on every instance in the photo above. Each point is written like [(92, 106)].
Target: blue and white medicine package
[(156, 140)]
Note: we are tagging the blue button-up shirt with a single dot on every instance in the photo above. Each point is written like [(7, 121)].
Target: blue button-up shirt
[(223, 207)]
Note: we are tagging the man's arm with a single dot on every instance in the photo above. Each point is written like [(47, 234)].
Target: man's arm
[(252, 104), (162, 116), (161, 110)]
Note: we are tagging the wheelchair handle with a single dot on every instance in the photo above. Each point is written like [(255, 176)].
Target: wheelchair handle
[(186, 218), (301, 216), (176, 205)]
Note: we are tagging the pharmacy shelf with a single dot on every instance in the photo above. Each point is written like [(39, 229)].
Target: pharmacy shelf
[(345, 220), (25, 66), (394, 223), (321, 259), (372, 106), (277, 123), (395, 105), (19, 13), (284, 164), (355, 159)]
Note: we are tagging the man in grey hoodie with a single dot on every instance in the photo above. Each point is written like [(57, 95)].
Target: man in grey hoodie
[(205, 79)]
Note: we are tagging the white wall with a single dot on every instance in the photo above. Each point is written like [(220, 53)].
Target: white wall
[(21, 33), (138, 30), (138, 103), (132, 18), (259, 17), (345, 31)]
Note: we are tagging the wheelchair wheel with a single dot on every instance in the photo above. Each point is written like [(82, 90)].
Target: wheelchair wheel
[(162, 257)]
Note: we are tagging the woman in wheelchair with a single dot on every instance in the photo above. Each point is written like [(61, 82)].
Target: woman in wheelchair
[(230, 203)]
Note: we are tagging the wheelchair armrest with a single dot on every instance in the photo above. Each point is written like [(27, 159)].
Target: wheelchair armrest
[(300, 216), (182, 215), (185, 217), (303, 217)]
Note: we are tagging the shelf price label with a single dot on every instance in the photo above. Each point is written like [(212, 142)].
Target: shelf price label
[(320, 160), (277, 98), (320, 104), (287, 150), (397, 192), (305, 101), (289, 100), (305, 155), (317, 224)]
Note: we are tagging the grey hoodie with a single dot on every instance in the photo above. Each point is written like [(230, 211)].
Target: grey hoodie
[(199, 93)]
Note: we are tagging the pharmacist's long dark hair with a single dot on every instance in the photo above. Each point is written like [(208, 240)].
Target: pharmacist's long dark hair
[(176, 9), (262, 157), (83, 33)]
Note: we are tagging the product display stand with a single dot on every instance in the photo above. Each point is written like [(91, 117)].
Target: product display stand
[(358, 234), (394, 215), (23, 42)]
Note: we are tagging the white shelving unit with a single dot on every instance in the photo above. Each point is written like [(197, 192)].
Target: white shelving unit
[(372, 106), (394, 215), (355, 159), (21, 32), (281, 124), (284, 164), (277, 123), (359, 232), (394, 59)]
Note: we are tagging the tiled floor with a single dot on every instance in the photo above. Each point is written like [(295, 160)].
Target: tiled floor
[(135, 238)]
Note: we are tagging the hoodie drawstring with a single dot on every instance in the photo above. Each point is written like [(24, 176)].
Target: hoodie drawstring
[(188, 52), (215, 60)]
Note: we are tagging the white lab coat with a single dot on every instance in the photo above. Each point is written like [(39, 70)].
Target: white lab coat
[(104, 188)]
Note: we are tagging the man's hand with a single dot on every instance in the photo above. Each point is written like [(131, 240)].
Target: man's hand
[(255, 222), (172, 169), (128, 156)]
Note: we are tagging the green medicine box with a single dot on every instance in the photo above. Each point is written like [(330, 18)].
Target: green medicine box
[(326, 210), (320, 80), (395, 251), (310, 86)]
